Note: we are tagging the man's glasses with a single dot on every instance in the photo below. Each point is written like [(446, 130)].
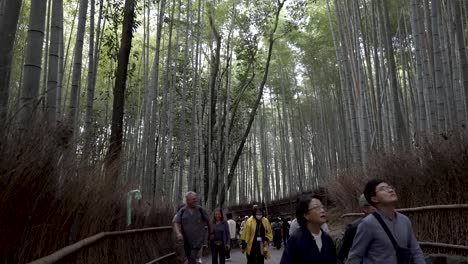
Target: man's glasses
[(316, 208), (386, 188)]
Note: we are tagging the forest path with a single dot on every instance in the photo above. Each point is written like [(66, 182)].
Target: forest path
[(237, 257)]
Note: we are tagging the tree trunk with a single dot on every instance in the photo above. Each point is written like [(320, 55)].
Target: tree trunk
[(91, 83), (61, 70), (265, 159), (8, 27), (430, 94), (401, 136), (214, 70), (462, 53), (46, 57), (233, 166), (361, 83), (194, 159), (77, 67), (350, 101), (171, 84), (32, 64), (114, 153), (440, 91), (185, 88), (52, 80), (419, 54)]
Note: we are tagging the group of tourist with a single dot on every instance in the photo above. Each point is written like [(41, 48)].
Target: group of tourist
[(382, 235)]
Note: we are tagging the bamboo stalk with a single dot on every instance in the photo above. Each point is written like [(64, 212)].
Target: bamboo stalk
[(60, 254)]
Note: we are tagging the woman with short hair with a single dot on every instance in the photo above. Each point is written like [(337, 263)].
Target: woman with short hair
[(310, 244), (256, 236)]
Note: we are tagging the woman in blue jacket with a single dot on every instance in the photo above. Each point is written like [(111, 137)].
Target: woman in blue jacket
[(310, 244)]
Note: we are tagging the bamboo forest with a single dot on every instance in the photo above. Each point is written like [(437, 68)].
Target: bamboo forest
[(114, 112)]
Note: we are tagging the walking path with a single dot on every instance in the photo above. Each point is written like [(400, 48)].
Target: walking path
[(239, 258)]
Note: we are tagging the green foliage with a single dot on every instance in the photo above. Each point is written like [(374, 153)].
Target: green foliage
[(113, 14)]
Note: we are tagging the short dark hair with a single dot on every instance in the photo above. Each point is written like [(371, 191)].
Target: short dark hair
[(303, 208), (257, 208), (369, 190), (229, 215)]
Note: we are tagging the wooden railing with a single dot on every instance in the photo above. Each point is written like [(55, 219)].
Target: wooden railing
[(66, 251), (417, 209), (428, 208)]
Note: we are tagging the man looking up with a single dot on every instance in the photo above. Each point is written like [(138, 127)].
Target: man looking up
[(385, 236)]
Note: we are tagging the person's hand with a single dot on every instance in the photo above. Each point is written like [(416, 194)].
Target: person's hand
[(265, 244), (180, 236), (243, 250), (228, 247)]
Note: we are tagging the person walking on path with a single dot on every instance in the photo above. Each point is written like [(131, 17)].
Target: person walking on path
[(238, 230), (310, 244), (277, 233), (256, 236), (190, 225), (219, 244), (232, 233), (286, 233), (294, 226), (351, 229), (385, 236)]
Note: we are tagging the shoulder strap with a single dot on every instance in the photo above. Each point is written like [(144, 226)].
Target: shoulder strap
[(202, 214), (181, 222), (182, 214), (385, 227)]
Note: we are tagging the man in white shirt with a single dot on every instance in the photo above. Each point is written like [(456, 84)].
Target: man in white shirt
[(232, 233)]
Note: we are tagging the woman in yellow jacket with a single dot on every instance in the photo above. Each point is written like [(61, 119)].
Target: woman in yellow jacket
[(256, 236)]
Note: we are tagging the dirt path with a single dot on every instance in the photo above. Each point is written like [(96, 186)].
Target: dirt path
[(238, 258)]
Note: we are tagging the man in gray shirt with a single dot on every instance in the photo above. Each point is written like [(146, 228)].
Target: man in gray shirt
[(190, 225), (371, 243)]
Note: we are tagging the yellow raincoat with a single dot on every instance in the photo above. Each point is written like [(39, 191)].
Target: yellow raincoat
[(248, 235)]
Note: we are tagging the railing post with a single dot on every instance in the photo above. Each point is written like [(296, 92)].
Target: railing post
[(137, 194)]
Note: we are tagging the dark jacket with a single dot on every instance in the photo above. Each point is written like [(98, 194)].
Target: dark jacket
[(347, 240), (302, 249)]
